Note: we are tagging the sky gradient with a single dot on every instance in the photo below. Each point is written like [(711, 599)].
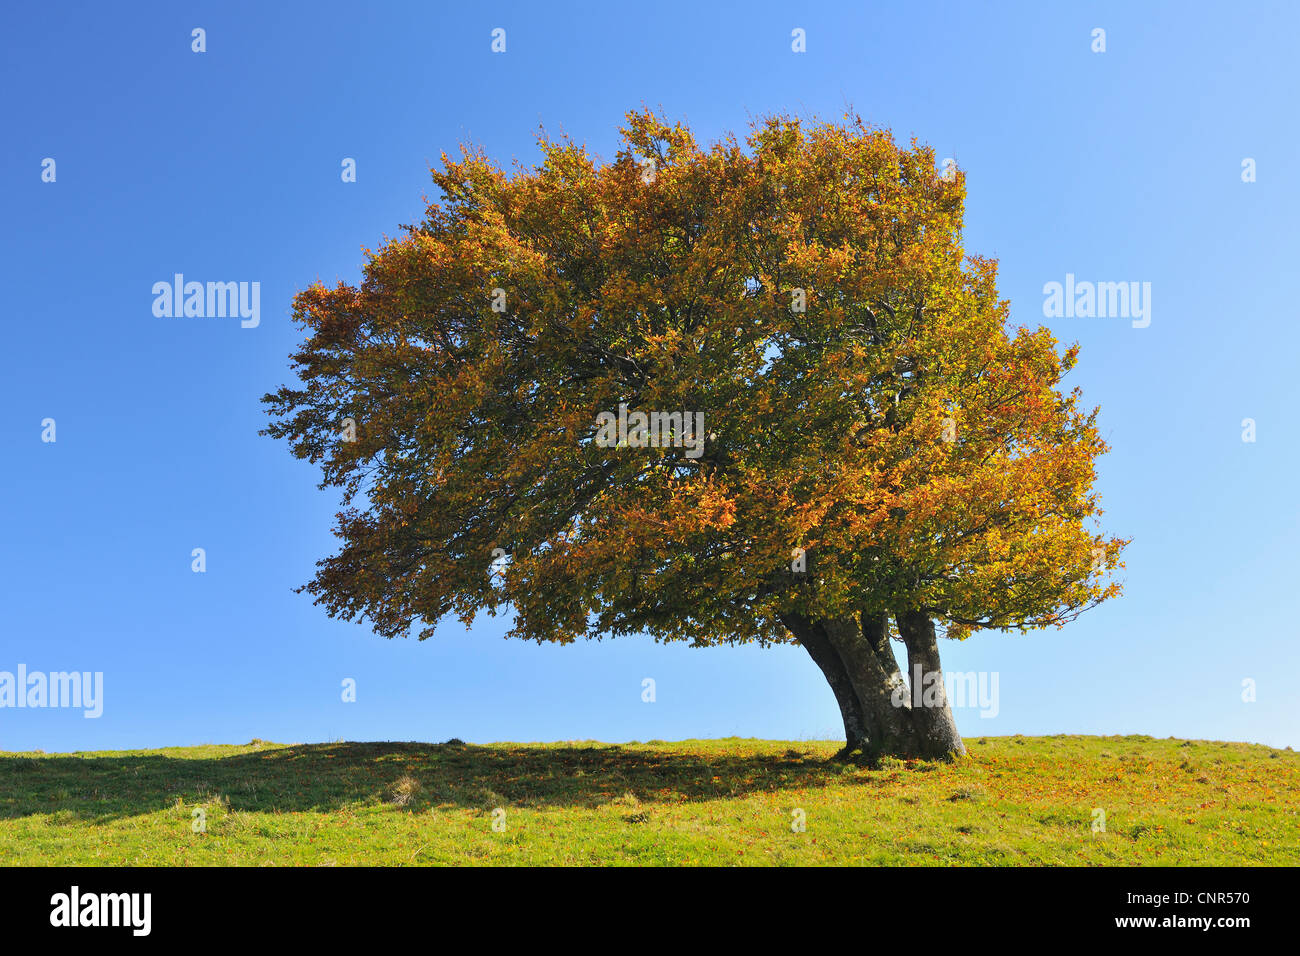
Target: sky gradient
[(1122, 166)]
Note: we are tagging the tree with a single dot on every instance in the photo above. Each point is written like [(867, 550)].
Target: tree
[(743, 393)]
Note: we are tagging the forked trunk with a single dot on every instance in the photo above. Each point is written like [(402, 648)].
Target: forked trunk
[(882, 715)]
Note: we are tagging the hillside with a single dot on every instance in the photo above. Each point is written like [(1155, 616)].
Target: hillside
[(1016, 800)]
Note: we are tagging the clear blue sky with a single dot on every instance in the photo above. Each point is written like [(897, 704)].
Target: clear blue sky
[(1116, 166)]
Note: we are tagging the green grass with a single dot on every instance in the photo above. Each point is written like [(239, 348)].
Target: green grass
[(1014, 800)]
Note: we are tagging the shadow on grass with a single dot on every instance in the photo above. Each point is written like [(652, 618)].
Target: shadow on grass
[(333, 776)]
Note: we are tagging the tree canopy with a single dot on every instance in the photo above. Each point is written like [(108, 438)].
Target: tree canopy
[(876, 438)]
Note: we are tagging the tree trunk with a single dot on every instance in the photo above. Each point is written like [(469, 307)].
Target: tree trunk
[(882, 717), (819, 649), (932, 722)]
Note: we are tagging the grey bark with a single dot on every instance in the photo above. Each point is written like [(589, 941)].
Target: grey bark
[(819, 649), (933, 725), (881, 716)]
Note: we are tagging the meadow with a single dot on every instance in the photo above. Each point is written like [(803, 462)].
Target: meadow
[(1061, 800)]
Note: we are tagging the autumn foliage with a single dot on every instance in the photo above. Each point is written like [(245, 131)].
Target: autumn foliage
[(879, 442)]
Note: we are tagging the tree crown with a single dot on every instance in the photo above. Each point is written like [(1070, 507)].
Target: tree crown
[(873, 437)]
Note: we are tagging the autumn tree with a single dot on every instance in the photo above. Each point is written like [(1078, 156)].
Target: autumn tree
[(827, 433)]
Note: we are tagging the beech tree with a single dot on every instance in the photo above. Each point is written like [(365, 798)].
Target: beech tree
[(827, 433)]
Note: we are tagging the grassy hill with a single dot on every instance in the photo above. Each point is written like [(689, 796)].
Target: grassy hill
[(1016, 800)]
